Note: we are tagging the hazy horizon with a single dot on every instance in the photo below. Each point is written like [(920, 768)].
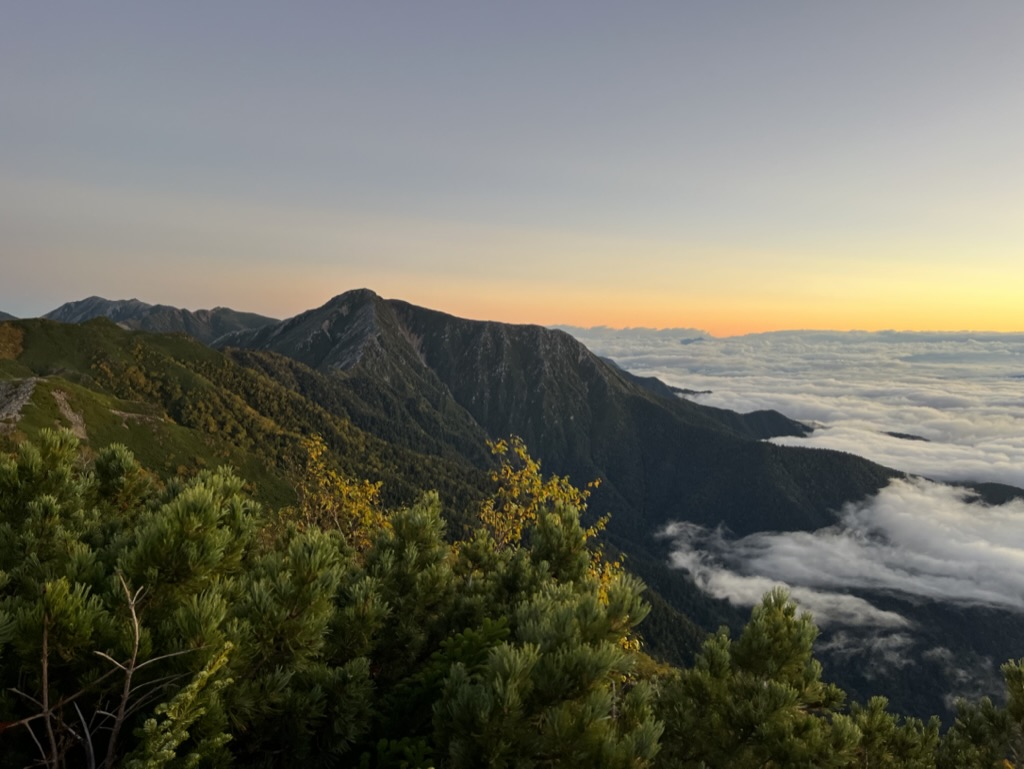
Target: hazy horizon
[(673, 331)]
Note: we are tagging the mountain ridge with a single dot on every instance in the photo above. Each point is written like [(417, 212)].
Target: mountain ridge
[(204, 325), (584, 417), (445, 385)]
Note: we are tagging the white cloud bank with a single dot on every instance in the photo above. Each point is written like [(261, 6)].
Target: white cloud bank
[(963, 393), (914, 540), (913, 543)]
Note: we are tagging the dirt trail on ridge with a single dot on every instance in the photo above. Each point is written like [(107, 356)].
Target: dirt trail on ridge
[(73, 417)]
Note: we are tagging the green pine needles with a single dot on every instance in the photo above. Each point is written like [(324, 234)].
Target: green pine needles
[(173, 624), (151, 624)]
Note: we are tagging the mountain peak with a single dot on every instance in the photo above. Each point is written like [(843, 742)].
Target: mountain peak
[(335, 335), (353, 295)]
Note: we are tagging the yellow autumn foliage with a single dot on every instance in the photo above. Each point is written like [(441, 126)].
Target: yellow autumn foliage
[(331, 501), (523, 493)]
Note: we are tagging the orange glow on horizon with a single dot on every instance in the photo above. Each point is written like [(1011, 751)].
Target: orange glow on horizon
[(724, 297), (717, 317)]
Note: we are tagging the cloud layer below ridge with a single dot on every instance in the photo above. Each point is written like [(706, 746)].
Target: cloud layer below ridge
[(961, 394)]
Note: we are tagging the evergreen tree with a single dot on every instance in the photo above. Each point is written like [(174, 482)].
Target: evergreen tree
[(177, 625), (85, 615), (985, 735), (889, 742), (163, 626), (758, 701), (555, 689)]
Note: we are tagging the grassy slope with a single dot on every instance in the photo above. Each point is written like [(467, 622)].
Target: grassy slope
[(179, 405)]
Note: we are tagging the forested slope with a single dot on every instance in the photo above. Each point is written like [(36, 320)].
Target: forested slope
[(181, 405)]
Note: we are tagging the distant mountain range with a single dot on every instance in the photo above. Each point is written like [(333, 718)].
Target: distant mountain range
[(204, 325), (6, 316), (409, 396)]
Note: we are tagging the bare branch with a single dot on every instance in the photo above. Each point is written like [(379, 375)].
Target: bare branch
[(28, 697), (143, 700), (129, 670), (148, 662), (163, 657), (90, 754), (46, 690), (110, 659), (35, 739)]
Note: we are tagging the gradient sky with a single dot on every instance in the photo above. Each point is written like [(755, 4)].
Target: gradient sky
[(731, 166)]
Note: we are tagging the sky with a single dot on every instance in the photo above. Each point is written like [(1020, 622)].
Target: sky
[(730, 166)]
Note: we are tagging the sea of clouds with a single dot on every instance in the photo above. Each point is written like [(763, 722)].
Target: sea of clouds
[(962, 393), (961, 397)]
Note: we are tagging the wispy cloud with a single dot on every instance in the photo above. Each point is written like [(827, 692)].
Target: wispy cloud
[(914, 540), (887, 651), (716, 566), (969, 676)]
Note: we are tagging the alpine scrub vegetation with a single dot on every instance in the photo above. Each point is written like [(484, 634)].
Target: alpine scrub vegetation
[(148, 623), (151, 624)]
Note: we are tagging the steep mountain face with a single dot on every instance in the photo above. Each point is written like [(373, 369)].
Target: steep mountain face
[(376, 374), (663, 457), (659, 457), (6, 316), (204, 325)]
